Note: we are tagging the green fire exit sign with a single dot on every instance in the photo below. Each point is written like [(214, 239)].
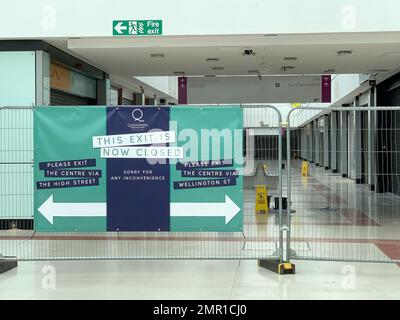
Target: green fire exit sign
[(137, 27)]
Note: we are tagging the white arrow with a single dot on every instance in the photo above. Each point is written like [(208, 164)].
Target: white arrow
[(49, 209), (227, 209), (119, 27)]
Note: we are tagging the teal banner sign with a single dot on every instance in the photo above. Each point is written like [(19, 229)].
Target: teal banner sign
[(138, 168), (137, 27)]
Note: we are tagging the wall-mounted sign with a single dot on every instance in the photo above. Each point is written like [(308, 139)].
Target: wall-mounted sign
[(138, 169), (252, 89), (72, 82), (137, 27), (60, 78), (326, 88)]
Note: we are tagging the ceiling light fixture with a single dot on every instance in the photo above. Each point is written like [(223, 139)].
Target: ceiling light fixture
[(212, 59), (157, 55), (329, 71), (290, 58), (217, 68), (287, 68), (179, 73), (344, 53)]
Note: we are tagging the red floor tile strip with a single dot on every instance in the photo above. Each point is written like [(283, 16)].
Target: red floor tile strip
[(392, 250)]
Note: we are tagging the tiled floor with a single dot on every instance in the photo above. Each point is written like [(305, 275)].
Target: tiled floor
[(335, 219), (206, 279)]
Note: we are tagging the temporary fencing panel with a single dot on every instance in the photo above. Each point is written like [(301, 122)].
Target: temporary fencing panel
[(136, 182), (346, 208)]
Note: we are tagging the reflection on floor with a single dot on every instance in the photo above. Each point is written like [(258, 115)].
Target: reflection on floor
[(334, 219), (204, 279)]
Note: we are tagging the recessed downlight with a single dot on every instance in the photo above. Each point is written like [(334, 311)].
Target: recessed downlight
[(290, 58), (157, 55), (212, 59), (287, 68), (217, 68)]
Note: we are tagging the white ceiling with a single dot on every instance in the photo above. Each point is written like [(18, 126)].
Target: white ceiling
[(315, 53)]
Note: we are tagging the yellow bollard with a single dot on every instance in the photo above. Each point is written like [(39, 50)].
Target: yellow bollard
[(262, 205)]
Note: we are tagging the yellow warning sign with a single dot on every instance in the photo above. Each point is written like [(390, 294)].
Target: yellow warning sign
[(261, 199), (304, 169)]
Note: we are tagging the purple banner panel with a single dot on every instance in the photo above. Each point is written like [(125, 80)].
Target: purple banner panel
[(72, 173), (210, 173), (210, 183), (326, 84), (65, 164), (71, 183), (182, 90), (204, 164), (138, 192)]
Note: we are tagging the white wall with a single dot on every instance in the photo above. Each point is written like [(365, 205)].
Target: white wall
[(74, 18), (343, 84), (17, 78), (169, 85)]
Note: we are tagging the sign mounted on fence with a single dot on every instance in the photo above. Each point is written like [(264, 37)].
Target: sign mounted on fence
[(138, 169), (137, 27)]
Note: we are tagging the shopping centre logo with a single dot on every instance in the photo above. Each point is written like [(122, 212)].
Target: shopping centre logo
[(137, 116)]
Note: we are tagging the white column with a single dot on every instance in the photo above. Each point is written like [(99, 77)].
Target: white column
[(357, 147), (333, 132), (326, 133), (343, 142), (371, 165)]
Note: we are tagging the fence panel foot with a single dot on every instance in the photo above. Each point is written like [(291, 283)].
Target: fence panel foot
[(7, 263), (277, 266)]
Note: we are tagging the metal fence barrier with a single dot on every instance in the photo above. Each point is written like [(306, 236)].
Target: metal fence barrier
[(340, 201), (261, 238), (344, 184)]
